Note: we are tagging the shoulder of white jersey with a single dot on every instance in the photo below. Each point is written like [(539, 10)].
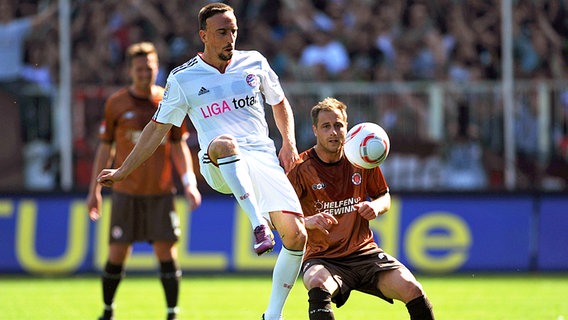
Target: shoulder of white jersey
[(185, 66), (245, 54)]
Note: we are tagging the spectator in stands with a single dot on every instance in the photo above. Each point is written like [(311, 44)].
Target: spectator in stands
[(459, 42), (523, 46), (424, 40), (486, 25), (385, 41), (358, 32), (552, 17), (325, 56), (364, 56), (37, 70), (15, 30), (526, 139), (464, 168), (13, 33), (93, 60), (286, 62), (417, 25), (387, 29)]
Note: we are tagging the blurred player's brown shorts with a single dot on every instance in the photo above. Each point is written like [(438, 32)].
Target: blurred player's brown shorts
[(356, 272), (143, 218)]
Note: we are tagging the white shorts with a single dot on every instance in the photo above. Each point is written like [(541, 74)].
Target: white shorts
[(272, 189)]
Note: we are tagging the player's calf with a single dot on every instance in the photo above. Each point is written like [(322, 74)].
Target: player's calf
[(420, 309), (320, 304)]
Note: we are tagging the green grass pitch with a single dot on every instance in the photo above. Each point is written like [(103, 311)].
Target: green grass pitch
[(455, 297)]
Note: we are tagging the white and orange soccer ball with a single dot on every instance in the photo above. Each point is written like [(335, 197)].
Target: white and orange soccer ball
[(367, 145)]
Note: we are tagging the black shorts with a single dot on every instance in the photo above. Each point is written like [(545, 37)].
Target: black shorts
[(356, 272), (143, 218)]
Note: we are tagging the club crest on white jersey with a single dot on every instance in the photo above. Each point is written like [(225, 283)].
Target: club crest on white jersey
[(252, 80)]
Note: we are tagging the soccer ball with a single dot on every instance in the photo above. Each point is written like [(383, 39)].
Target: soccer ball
[(367, 145)]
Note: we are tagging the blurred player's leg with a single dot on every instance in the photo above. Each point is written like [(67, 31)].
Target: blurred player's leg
[(113, 274), (170, 276)]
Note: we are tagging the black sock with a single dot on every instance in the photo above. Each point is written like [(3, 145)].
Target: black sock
[(112, 275), (170, 276), (420, 309), (172, 316), (107, 313), (320, 304)]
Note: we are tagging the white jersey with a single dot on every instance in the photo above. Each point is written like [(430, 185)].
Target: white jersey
[(232, 103), (223, 103)]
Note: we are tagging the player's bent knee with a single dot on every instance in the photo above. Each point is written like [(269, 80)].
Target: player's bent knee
[(315, 281), (294, 240), (225, 140), (412, 291), (223, 146)]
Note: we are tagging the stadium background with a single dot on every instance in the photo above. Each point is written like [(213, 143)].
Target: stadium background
[(479, 161)]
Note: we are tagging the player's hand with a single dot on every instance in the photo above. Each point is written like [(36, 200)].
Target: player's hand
[(108, 177), (94, 201), (193, 196), (320, 221), (288, 156), (366, 210)]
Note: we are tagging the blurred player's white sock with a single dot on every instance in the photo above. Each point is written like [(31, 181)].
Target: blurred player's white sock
[(284, 276), (235, 173)]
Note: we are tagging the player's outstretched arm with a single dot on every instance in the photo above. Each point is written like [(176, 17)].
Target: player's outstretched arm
[(150, 139)]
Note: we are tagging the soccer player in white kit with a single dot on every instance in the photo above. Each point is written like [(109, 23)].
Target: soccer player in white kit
[(223, 91)]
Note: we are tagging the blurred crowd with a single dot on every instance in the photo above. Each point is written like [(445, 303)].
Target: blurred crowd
[(387, 41), (367, 40)]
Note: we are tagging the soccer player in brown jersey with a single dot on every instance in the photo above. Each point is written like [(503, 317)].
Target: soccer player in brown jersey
[(338, 201), (143, 203)]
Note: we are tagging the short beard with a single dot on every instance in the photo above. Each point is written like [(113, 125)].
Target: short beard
[(225, 57)]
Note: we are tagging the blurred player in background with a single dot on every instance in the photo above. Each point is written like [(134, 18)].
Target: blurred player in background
[(143, 203), (339, 200), (223, 91)]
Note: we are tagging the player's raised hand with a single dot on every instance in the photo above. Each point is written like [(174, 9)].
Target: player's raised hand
[(320, 221)]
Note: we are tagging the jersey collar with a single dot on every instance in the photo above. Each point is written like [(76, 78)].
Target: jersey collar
[(200, 55)]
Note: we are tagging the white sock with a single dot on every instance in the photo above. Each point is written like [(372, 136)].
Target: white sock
[(284, 276), (235, 173)]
